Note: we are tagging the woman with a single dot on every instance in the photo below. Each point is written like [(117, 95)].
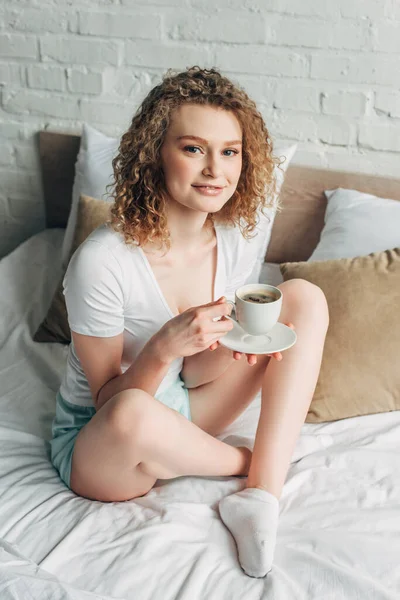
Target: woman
[(148, 386)]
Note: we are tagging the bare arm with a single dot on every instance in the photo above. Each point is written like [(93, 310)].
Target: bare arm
[(189, 332), (145, 373), (101, 362)]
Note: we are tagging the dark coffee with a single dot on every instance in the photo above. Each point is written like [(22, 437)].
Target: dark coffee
[(259, 297)]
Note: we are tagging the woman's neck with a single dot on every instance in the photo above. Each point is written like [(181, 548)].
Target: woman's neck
[(187, 243)]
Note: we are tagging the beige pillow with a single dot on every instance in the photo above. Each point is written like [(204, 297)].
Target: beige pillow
[(91, 214), (360, 372)]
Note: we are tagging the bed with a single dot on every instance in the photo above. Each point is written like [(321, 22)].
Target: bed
[(339, 528)]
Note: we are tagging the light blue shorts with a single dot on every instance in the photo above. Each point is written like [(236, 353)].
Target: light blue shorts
[(70, 418)]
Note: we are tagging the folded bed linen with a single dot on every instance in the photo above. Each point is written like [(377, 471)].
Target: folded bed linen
[(339, 527)]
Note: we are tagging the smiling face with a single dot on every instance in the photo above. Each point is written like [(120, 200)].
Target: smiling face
[(215, 160)]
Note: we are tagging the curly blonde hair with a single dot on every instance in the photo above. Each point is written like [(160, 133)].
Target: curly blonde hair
[(139, 191)]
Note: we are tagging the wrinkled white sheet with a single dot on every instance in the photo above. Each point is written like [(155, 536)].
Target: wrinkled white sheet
[(339, 529)]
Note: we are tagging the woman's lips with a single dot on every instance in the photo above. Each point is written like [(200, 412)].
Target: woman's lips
[(208, 191)]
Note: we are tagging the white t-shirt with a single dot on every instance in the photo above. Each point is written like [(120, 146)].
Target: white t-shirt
[(110, 287)]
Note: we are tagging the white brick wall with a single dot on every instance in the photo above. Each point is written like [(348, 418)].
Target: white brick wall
[(324, 74)]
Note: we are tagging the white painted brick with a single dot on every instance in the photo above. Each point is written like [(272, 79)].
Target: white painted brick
[(9, 131), (37, 20), (45, 77), (6, 154), (268, 114), (352, 160), (284, 53), (85, 3), (27, 156), (175, 56), (314, 157), (374, 69), (311, 8), (128, 25), (362, 161), (386, 36), (380, 136), (315, 8), (350, 35), (10, 73), (259, 89), (329, 66), (80, 51), (127, 83), (236, 28), (30, 102), (335, 131), (293, 127), (358, 10), (393, 10), (296, 98), (73, 22), (80, 81), (388, 103), (18, 46), (119, 82), (166, 3), (103, 112), (17, 131), (57, 124), (289, 31), (22, 181), (352, 104), (112, 130), (266, 61), (311, 33)]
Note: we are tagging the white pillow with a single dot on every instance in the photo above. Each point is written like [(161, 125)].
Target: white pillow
[(357, 224), (93, 171)]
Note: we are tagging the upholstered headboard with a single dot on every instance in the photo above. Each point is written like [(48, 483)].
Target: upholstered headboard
[(296, 229)]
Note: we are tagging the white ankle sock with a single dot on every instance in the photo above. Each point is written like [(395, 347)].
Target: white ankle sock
[(252, 517)]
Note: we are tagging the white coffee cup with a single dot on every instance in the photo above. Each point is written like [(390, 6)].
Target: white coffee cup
[(257, 318)]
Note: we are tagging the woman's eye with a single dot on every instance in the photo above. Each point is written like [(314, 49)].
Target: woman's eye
[(197, 148), (187, 148), (234, 152)]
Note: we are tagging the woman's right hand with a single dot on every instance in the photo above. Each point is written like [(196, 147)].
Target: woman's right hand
[(194, 330)]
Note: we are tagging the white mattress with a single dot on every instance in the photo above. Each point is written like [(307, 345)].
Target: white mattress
[(339, 529)]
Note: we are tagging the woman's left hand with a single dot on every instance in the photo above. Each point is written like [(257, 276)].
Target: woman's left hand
[(252, 358)]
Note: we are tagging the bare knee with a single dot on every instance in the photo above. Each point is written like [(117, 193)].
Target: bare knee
[(117, 431), (300, 294), (127, 414)]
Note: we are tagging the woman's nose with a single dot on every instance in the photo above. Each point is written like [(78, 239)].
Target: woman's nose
[(213, 166)]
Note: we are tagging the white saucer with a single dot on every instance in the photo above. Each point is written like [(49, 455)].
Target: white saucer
[(278, 339)]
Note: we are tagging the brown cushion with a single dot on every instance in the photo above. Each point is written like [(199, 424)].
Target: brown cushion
[(91, 214), (359, 373)]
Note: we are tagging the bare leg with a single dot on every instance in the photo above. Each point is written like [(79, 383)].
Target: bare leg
[(134, 439), (175, 447), (288, 387)]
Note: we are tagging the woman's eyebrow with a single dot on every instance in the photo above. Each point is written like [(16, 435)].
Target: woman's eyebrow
[(199, 139)]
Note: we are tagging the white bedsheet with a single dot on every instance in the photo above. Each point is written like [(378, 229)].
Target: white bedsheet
[(339, 529)]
